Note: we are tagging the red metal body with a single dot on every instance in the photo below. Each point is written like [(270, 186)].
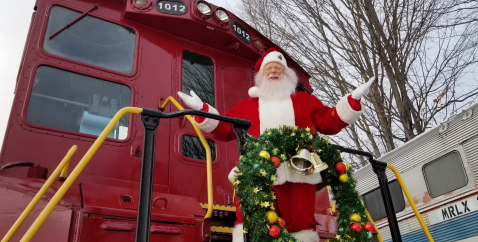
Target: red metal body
[(101, 205)]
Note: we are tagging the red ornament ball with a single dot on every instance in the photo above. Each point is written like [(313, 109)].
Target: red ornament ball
[(274, 231), (369, 227), (281, 223), (276, 161), (356, 227), (340, 168)]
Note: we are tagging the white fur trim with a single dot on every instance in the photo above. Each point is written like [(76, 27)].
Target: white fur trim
[(345, 112), (253, 91), (238, 233), (284, 174), (274, 113), (233, 173), (274, 56), (208, 125), (307, 236)]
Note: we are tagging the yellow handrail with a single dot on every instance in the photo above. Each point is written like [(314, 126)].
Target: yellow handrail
[(76, 172), (379, 236), (210, 202), (64, 172), (410, 200), (39, 195)]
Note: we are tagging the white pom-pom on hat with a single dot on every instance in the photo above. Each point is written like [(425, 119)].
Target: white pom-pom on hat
[(253, 91)]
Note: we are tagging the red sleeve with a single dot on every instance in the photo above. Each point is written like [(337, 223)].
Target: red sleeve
[(325, 119), (199, 119), (354, 103), (224, 130)]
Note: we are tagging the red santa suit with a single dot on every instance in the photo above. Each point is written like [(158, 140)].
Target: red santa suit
[(295, 193)]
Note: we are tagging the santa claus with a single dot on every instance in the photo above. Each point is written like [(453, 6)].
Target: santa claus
[(273, 102)]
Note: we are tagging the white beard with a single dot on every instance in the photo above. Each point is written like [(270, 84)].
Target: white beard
[(275, 103), (276, 89)]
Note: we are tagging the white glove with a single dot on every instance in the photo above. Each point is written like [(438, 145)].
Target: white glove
[(362, 90), (192, 101)]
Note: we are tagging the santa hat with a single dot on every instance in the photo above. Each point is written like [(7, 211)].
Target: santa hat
[(271, 55)]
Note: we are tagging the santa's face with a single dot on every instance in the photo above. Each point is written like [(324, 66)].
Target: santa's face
[(275, 82), (273, 71)]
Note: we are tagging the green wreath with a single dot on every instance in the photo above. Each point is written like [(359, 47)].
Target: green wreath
[(257, 172)]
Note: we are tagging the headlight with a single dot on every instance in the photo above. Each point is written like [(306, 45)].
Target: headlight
[(204, 8), (141, 3), (258, 44), (222, 15)]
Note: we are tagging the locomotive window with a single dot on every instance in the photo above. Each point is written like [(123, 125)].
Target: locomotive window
[(300, 88), (192, 147), (252, 74), (445, 174), (374, 203), (69, 101), (198, 75), (90, 40)]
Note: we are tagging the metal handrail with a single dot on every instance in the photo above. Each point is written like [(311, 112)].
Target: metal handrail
[(210, 202), (150, 119), (76, 172), (412, 203), (379, 236), (60, 168), (379, 168)]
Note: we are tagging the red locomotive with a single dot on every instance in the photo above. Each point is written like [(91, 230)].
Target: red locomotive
[(83, 61)]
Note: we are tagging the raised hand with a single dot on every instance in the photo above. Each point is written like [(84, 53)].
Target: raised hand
[(363, 89), (192, 101)]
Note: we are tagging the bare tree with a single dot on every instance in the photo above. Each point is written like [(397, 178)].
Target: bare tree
[(421, 51)]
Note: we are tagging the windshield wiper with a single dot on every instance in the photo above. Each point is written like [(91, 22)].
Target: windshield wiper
[(74, 21)]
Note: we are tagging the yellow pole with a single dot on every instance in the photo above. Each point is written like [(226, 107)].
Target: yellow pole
[(379, 237), (76, 172), (64, 172), (410, 200), (40, 194), (210, 202)]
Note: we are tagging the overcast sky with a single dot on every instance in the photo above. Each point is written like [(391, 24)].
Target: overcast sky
[(14, 23)]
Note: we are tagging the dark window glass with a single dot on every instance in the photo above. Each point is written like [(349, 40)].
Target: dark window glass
[(66, 100), (193, 148), (300, 88), (374, 202), (252, 74), (198, 76), (445, 174), (90, 40)]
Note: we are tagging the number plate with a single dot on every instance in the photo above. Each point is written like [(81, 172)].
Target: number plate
[(171, 7), (241, 32)]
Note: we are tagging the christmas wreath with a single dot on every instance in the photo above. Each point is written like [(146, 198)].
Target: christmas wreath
[(257, 172)]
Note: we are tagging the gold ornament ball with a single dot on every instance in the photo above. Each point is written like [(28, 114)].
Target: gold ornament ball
[(265, 154), (346, 165), (272, 217), (355, 217), (343, 178)]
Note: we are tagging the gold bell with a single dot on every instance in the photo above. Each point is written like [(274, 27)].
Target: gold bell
[(306, 163)]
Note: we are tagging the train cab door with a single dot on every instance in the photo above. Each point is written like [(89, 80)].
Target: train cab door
[(200, 71)]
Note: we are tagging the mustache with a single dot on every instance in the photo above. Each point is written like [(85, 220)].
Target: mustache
[(273, 75)]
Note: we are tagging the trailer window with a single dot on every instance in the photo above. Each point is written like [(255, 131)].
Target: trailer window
[(445, 174), (198, 76), (192, 148), (70, 101), (90, 40), (374, 202)]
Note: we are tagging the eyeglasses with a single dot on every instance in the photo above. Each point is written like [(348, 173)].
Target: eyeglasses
[(274, 68)]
